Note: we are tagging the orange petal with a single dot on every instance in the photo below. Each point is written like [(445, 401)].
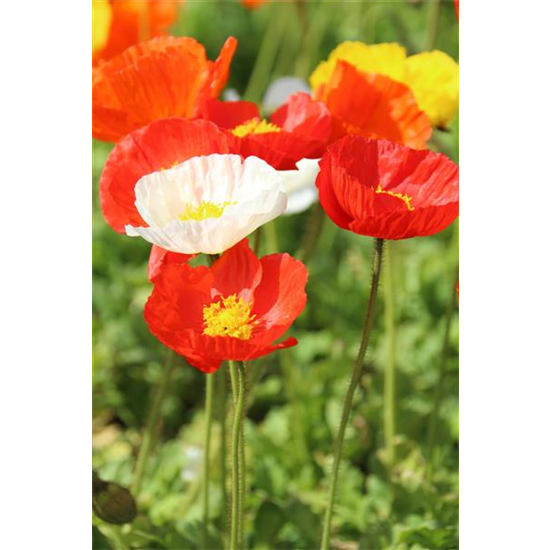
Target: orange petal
[(157, 79), (375, 106), (221, 67), (135, 21)]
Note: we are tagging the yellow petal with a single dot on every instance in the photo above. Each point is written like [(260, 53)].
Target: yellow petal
[(433, 78), (387, 59), (101, 23)]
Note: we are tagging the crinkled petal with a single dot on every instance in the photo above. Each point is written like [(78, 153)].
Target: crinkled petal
[(161, 145), (385, 190), (159, 257), (238, 272), (387, 59), (375, 106)]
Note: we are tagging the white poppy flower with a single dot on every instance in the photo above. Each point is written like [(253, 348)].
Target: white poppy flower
[(300, 185), (207, 204)]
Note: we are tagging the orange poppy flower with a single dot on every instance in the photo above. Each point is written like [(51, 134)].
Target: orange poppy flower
[(127, 22), (374, 106), (161, 78), (432, 76), (252, 4), (385, 190), (162, 144), (298, 129), (234, 310)]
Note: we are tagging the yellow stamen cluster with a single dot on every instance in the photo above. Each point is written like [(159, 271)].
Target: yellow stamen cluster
[(407, 199), (255, 126), (229, 317), (204, 211)]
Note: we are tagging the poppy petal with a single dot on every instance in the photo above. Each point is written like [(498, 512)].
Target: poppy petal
[(222, 64), (238, 271), (228, 114), (387, 59), (158, 146), (204, 364), (134, 21), (385, 190), (177, 288), (433, 78), (176, 310), (374, 106), (305, 116), (159, 256), (280, 297), (164, 77), (208, 204)]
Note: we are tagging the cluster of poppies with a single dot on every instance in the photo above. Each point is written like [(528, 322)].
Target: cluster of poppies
[(193, 174)]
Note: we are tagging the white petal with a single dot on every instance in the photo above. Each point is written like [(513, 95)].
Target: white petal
[(254, 190), (300, 185), (301, 200), (280, 90)]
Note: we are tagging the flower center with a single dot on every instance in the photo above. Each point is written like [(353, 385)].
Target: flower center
[(255, 126), (204, 211), (229, 317), (407, 199)]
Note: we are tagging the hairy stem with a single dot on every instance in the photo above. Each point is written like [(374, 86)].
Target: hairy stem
[(206, 463)]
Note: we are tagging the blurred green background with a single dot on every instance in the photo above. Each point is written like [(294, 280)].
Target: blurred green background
[(295, 395)]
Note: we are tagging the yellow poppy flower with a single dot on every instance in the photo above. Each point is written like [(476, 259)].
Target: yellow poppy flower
[(431, 76), (102, 15), (386, 59)]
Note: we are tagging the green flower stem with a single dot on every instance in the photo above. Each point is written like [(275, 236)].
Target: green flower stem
[(321, 20), (356, 375), (292, 38), (433, 24), (152, 423), (257, 242), (242, 462), (268, 51), (312, 234), (242, 457), (442, 372), (271, 237), (233, 375), (206, 463), (222, 403), (233, 517), (238, 383), (390, 367)]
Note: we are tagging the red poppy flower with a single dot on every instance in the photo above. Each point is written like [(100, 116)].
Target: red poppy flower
[(385, 190), (159, 257), (456, 8), (161, 78), (162, 144), (134, 21), (234, 310), (298, 129), (374, 106)]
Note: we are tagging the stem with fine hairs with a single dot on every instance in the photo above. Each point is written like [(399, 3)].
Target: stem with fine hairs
[(390, 367), (356, 376)]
